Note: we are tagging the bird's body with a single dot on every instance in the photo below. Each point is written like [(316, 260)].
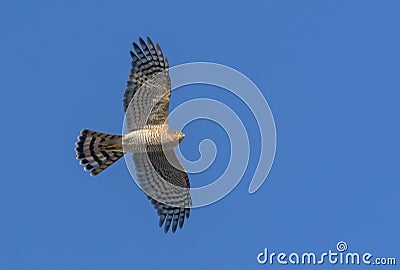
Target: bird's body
[(159, 173), (150, 139)]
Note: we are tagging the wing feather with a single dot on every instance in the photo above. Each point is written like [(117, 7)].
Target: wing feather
[(147, 96), (162, 177)]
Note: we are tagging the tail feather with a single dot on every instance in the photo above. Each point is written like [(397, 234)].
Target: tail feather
[(97, 150)]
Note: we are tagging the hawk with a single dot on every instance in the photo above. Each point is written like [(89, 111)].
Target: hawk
[(150, 140)]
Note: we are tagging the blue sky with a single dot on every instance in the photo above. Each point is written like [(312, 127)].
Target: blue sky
[(329, 70)]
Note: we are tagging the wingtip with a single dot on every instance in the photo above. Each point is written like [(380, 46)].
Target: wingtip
[(136, 47), (132, 54), (162, 219)]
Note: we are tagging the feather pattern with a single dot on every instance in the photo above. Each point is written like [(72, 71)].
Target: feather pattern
[(97, 151), (162, 177), (147, 96)]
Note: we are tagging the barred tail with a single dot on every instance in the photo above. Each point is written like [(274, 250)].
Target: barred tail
[(98, 150)]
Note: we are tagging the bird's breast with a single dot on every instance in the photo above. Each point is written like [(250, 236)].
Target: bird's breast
[(148, 139)]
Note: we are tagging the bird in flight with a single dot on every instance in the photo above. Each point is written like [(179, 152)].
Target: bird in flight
[(150, 140)]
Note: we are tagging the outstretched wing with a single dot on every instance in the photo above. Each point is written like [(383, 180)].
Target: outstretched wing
[(163, 178), (146, 99)]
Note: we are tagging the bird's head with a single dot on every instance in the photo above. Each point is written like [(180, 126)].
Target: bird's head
[(179, 135)]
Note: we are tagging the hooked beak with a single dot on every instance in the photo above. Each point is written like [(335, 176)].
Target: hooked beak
[(182, 135)]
